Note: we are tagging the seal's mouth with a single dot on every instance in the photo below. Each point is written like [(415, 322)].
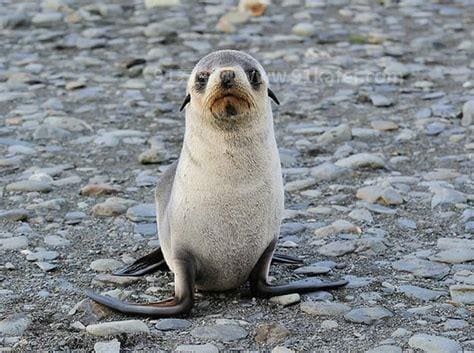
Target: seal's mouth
[(229, 105)]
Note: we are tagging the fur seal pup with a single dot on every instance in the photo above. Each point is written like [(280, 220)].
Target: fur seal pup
[(219, 206)]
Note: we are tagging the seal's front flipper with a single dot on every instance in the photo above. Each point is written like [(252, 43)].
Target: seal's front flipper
[(150, 263), (259, 284), (286, 259), (180, 304)]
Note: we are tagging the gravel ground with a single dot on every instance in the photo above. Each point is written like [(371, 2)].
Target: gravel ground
[(375, 130)]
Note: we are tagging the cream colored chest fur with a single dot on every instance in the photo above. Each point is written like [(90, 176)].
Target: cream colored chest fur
[(226, 205)]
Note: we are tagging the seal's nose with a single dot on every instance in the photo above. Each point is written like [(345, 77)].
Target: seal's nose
[(227, 78)]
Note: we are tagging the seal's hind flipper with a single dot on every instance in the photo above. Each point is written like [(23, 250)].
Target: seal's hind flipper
[(286, 259), (180, 304), (260, 287), (150, 263)]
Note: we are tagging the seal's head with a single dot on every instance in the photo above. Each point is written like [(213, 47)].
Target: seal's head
[(227, 85)]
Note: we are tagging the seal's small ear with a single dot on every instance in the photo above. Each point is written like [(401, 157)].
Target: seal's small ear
[(273, 96), (187, 99)]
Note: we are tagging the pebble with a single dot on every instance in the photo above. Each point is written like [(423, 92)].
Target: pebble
[(420, 293), (29, 186), (361, 214), (56, 241), (422, 268), (121, 281), (142, 213), (47, 19), (461, 293), (286, 300), (113, 206), (434, 344), (337, 134), (328, 171), (152, 156), (13, 243), (329, 324), (304, 29), (107, 347), (379, 100), (196, 348), (46, 266), (18, 214), (367, 315), (172, 324), (384, 195), (221, 333), (337, 227), (324, 308), (105, 265), (454, 256), (14, 325), (338, 248), (281, 349), (385, 349), (468, 113), (99, 189), (362, 160), (117, 327), (271, 334)]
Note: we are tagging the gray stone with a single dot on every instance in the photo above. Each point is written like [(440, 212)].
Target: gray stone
[(68, 123), (468, 113), (13, 243), (406, 223), (367, 315), (107, 347), (421, 293), (384, 195), (455, 324), (117, 327), (105, 265), (14, 325), (454, 256), (336, 134), (222, 333), (270, 333), (328, 171), (56, 241), (468, 215), (434, 344), (47, 19), (196, 348), (422, 268), (29, 186), (379, 100), (362, 160), (172, 324), (286, 300), (338, 248), (361, 214), (46, 266), (18, 214), (312, 270), (324, 308), (304, 29), (142, 213), (385, 349), (147, 229), (445, 196), (461, 293)]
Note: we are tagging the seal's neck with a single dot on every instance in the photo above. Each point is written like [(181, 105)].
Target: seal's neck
[(249, 148)]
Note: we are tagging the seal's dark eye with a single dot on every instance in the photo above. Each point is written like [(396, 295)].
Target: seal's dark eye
[(201, 80), (254, 78)]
